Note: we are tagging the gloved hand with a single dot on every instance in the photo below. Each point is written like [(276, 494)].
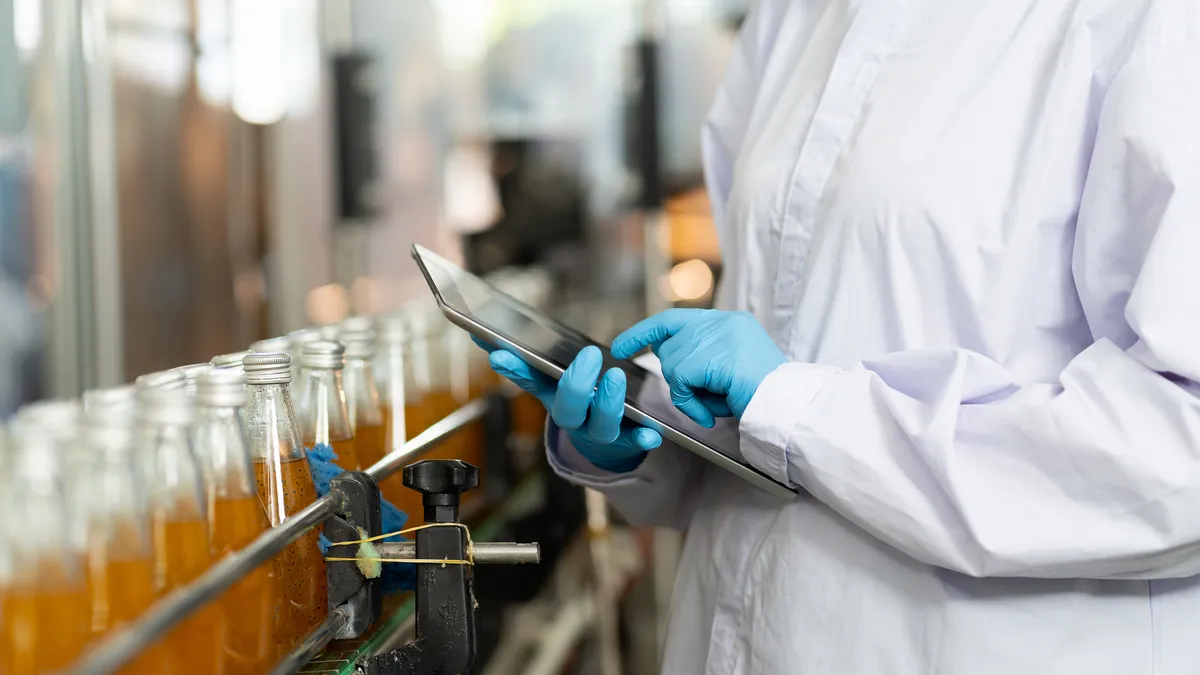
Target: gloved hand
[(703, 353), (591, 416)]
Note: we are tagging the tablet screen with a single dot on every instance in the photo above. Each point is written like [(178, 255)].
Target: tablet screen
[(519, 323)]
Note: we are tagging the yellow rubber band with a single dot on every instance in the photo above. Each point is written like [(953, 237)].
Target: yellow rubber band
[(416, 561)]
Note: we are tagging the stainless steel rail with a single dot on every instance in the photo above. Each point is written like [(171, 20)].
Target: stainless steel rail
[(486, 553), (122, 647)]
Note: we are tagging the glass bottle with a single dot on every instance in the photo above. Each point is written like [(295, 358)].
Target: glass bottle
[(235, 519), (231, 360), (285, 484), (296, 341), (395, 380), (271, 345), (190, 373), (120, 555), (163, 379), (46, 608), (321, 402), (60, 419), (362, 393), (420, 373), (179, 524), (6, 554)]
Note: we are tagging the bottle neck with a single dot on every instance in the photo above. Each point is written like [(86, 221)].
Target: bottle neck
[(324, 415), (271, 423), (362, 394), (220, 444), (174, 480)]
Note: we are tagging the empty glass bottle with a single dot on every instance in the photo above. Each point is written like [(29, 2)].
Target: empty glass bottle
[(45, 609), (235, 518), (179, 524), (285, 485), (321, 402)]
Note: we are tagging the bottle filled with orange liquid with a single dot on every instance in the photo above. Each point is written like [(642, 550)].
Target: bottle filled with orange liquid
[(421, 387), (236, 517), (396, 381), (60, 418), (120, 553), (362, 392), (321, 404), (178, 525), (46, 610), (285, 485), (6, 553)]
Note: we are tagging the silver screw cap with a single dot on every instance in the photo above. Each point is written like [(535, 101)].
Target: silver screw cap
[(323, 355), (224, 388), (267, 368)]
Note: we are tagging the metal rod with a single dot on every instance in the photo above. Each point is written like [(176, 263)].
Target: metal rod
[(486, 553), (428, 439), (122, 647), (312, 645)]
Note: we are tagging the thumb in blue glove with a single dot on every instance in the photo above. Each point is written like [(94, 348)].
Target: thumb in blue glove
[(588, 406), (714, 361)]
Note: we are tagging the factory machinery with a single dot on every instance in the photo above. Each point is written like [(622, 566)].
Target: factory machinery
[(473, 609)]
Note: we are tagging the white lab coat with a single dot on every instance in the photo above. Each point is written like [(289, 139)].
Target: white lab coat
[(974, 228)]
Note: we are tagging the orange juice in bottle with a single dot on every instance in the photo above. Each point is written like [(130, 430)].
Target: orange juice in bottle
[(467, 382), (45, 625), (362, 392), (423, 385), (285, 485), (321, 404), (235, 518), (120, 555), (405, 376), (178, 525)]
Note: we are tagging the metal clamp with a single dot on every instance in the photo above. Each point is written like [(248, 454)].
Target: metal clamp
[(355, 497)]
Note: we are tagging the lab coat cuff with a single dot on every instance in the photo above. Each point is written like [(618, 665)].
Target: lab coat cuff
[(573, 466), (775, 411)]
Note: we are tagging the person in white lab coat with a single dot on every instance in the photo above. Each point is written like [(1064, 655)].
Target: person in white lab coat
[(961, 312)]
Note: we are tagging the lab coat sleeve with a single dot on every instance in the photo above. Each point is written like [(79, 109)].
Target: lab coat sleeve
[(945, 456)]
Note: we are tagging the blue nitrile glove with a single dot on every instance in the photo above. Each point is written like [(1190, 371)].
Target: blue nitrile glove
[(396, 577), (713, 361), (591, 416)]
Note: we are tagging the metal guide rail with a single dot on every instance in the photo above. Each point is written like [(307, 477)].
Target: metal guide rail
[(441, 482)]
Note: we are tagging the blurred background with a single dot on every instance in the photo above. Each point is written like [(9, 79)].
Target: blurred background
[(180, 178)]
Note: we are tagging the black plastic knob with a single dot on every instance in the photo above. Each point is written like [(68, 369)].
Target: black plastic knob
[(441, 481)]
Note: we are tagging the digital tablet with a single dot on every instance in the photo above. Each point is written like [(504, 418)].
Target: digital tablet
[(549, 346)]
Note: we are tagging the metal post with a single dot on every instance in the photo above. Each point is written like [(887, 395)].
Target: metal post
[(487, 553)]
